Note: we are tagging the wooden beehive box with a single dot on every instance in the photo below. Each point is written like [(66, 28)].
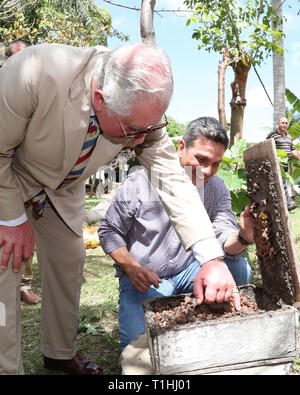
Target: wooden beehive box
[(266, 337)]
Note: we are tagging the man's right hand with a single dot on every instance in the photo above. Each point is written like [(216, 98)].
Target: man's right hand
[(18, 241), (142, 278), (214, 283)]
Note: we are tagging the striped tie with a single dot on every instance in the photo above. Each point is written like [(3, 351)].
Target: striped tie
[(38, 201), (86, 151)]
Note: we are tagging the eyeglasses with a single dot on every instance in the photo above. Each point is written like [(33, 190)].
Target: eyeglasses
[(140, 132)]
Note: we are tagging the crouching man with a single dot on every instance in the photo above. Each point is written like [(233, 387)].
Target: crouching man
[(150, 259)]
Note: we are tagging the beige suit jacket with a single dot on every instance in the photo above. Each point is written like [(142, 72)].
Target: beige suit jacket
[(45, 103)]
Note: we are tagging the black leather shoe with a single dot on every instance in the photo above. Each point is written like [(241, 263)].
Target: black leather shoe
[(292, 208), (75, 366)]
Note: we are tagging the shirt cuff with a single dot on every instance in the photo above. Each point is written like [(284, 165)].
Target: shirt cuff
[(207, 250), (15, 222), (111, 243)]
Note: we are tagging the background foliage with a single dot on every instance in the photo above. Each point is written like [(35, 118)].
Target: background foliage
[(174, 128), (243, 27), (232, 171), (293, 114), (73, 22)]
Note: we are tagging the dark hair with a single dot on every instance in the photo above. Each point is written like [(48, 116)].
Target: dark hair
[(207, 128), (10, 48)]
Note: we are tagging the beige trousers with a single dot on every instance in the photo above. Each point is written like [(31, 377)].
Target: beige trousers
[(61, 256), (10, 322)]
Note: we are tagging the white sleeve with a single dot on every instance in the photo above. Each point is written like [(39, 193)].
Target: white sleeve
[(206, 250), (15, 222)]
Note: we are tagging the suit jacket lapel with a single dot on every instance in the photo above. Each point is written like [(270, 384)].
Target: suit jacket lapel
[(77, 116)]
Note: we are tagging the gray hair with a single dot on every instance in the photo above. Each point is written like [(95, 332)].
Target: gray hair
[(133, 73), (206, 128)]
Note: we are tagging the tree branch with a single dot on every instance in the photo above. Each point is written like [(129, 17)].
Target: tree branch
[(12, 8), (234, 27), (139, 9), (3, 4)]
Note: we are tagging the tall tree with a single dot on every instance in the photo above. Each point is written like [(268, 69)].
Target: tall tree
[(221, 87), (146, 22), (278, 65), (243, 28)]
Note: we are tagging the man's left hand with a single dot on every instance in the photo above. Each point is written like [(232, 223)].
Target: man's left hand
[(246, 228)]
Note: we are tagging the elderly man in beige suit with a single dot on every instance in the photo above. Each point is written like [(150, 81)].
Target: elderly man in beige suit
[(48, 94)]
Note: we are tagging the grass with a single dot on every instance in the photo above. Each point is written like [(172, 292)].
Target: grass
[(98, 337), (90, 202)]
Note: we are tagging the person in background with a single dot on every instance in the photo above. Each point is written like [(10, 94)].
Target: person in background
[(137, 233), (27, 295), (16, 46), (283, 141)]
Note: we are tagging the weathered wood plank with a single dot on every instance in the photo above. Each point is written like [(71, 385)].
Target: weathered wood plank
[(281, 366), (276, 253), (135, 360), (269, 336)]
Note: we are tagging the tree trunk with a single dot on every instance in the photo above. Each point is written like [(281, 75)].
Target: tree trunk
[(146, 22), (238, 101), (278, 70), (221, 88)]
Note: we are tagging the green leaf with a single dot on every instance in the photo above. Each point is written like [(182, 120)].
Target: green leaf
[(281, 154), (232, 180), (238, 148), (289, 178), (293, 100), (296, 365), (239, 201), (226, 161), (92, 329), (294, 130), (295, 174)]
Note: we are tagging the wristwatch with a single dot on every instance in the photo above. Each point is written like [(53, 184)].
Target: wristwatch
[(243, 241)]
